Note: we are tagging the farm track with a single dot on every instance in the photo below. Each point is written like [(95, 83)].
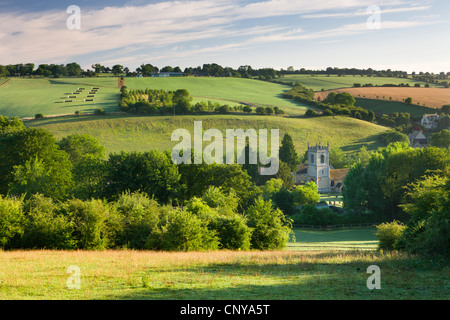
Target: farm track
[(4, 82)]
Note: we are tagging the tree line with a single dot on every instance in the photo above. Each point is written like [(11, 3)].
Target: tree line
[(67, 194)]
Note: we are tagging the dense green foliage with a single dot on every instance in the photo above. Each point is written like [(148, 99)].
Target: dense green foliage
[(388, 234), (66, 195), (380, 185)]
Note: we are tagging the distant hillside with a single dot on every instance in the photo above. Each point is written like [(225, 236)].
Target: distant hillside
[(141, 133), (319, 82)]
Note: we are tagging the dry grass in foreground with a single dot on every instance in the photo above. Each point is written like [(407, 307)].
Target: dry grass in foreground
[(272, 275)]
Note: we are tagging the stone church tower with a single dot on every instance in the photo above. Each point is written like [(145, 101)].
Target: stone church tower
[(319, 167)]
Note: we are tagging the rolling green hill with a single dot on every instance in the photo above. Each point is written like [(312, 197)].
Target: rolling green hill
[(387, 107), (23, 97), (141, 133), (228, 90)]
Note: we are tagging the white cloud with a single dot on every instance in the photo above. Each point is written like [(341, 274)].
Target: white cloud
[(122, 34)]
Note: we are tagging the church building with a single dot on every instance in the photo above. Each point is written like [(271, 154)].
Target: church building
[(319, 170)]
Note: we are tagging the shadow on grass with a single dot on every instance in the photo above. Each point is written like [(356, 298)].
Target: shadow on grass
[(290, 281), (371, 142)]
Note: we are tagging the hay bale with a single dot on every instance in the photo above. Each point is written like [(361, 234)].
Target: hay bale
[(68, 100), (88, 100)]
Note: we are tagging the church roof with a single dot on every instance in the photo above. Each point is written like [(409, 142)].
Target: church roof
[(338, 174)]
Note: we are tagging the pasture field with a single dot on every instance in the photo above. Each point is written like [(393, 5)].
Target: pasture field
[(319, 82), (387, 107), (316, 273), (433, 98), (143, 133), (23, 97), (230, 90)]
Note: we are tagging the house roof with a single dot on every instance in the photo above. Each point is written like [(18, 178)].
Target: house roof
[(417, 135), (338, 174)]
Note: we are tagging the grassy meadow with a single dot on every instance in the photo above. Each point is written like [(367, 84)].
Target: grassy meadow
[(387, 107), (229, 90), (330, 268), (23, 97), (319, 82), (142, 133)]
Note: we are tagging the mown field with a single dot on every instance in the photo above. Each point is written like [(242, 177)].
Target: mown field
[(326, 273), (319, 82), (142, 133), (22, 97)]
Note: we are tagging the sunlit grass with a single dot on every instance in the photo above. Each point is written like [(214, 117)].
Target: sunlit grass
[(218, 275)]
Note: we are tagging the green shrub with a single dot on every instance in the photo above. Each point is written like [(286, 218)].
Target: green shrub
[(99, 112), (45, 227), (388, 234), (39, 116), (96, 224), (310, 215), (233, 232), (11, 221), (428, 231), (139, 218), (271, 229), (183, 231)]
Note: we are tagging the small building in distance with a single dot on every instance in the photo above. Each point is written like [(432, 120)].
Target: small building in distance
[(319, 170), (417, 139), (430, 121)]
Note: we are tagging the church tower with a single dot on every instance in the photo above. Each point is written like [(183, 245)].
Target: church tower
[(319, 167)]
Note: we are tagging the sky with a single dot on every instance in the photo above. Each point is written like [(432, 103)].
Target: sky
[(396, 34)]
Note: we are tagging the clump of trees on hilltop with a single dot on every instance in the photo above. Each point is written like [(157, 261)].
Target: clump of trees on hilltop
[(179, 102), (335, 104)]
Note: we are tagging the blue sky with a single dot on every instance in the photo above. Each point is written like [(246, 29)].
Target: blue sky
[(395, 34)]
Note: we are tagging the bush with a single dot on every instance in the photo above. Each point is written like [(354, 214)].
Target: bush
[(139, 216), (45, 227), (428, 231), (39, 116), (11, 221), (388, 234), (310, 113), (233, 232), (271, 229), (247, 109), (99, 112), (183, 231), (260, 110), (96, 224), (310, 215)]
